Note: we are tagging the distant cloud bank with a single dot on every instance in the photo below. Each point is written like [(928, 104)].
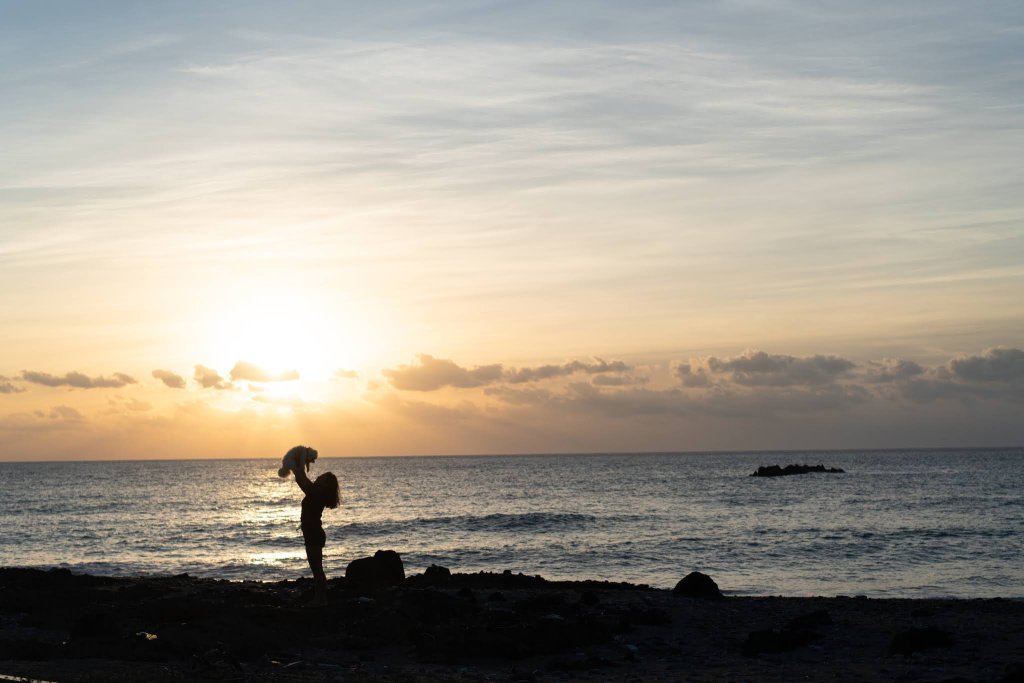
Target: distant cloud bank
[(752, 384)]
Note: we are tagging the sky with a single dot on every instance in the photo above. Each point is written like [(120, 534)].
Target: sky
[(503, 227)]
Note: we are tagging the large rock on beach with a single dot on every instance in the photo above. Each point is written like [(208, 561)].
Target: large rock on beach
[(436, 575), (385, 568), (697, 585)]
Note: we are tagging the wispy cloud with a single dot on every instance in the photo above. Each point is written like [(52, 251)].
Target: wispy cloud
[(7, 388), (170, 379), (208, 378), (77, 380), (430, 373)]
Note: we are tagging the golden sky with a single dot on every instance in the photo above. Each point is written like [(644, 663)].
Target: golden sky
[(522, 227)]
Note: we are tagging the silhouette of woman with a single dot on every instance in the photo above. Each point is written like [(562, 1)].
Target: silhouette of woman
[(319, 494)]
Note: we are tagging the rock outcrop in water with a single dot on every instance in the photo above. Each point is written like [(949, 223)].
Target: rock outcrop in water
[(776, 471)]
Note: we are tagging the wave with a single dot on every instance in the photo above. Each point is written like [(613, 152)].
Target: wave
[(533, 522)]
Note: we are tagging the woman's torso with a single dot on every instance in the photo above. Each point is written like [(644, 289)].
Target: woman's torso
[(312, 510)]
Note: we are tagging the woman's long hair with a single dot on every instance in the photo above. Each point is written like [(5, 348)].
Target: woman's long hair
[(327, 484)]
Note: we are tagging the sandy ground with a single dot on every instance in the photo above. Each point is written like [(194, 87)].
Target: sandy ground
[(61, 627)]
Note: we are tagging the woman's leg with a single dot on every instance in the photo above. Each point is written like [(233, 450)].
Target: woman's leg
[(315, 556)]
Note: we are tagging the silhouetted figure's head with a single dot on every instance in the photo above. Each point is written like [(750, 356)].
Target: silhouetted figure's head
[(327, 485)]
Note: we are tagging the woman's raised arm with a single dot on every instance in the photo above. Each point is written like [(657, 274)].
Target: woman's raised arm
[(301, 479)]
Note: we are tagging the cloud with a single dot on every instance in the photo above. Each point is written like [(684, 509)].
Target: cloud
[(121, 405), (515, 396), (432, 373), (758, 402), (174, 381), (757, 368), (7, 388), (760, 385), (996, 374), (429, 413), (890, 370), (65, 413), (244, 370), (994, 365), (618, 380), (208, 378), (342, 373), (520, 375), (77, 380)]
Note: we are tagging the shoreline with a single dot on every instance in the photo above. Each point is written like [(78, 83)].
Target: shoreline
[(337, 576), (58, 625)]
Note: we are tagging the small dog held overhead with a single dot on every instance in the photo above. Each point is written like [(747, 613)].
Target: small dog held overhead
[(300, 456)]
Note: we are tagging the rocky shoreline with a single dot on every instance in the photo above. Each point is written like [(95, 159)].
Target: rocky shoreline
[(60, 626)]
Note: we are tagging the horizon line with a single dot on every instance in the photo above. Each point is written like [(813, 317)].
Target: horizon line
[(549, 454)]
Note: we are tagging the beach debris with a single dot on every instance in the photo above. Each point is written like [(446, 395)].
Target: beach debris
[(385, 568), (776, 471), (919, 639), (697, 585)]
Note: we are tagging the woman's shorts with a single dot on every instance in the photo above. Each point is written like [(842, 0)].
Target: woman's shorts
[(316, 538)]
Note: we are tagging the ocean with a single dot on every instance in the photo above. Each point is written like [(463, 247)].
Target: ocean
[(920, 523)]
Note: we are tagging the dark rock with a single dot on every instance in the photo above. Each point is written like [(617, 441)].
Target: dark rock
[(385, 568), (520, 580), (436, 575), (776, 471), (919, 639), (589, 598), (697, 585)]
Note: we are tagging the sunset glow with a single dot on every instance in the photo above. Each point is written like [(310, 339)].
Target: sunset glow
[(509, 228)]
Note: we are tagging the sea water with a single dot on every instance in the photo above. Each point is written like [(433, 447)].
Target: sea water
[(897, 523)]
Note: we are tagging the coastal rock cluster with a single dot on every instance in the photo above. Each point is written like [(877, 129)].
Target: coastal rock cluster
[(776, 471), (380, 624)]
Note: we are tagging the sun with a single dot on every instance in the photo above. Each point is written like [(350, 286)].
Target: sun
[(282, 329)]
